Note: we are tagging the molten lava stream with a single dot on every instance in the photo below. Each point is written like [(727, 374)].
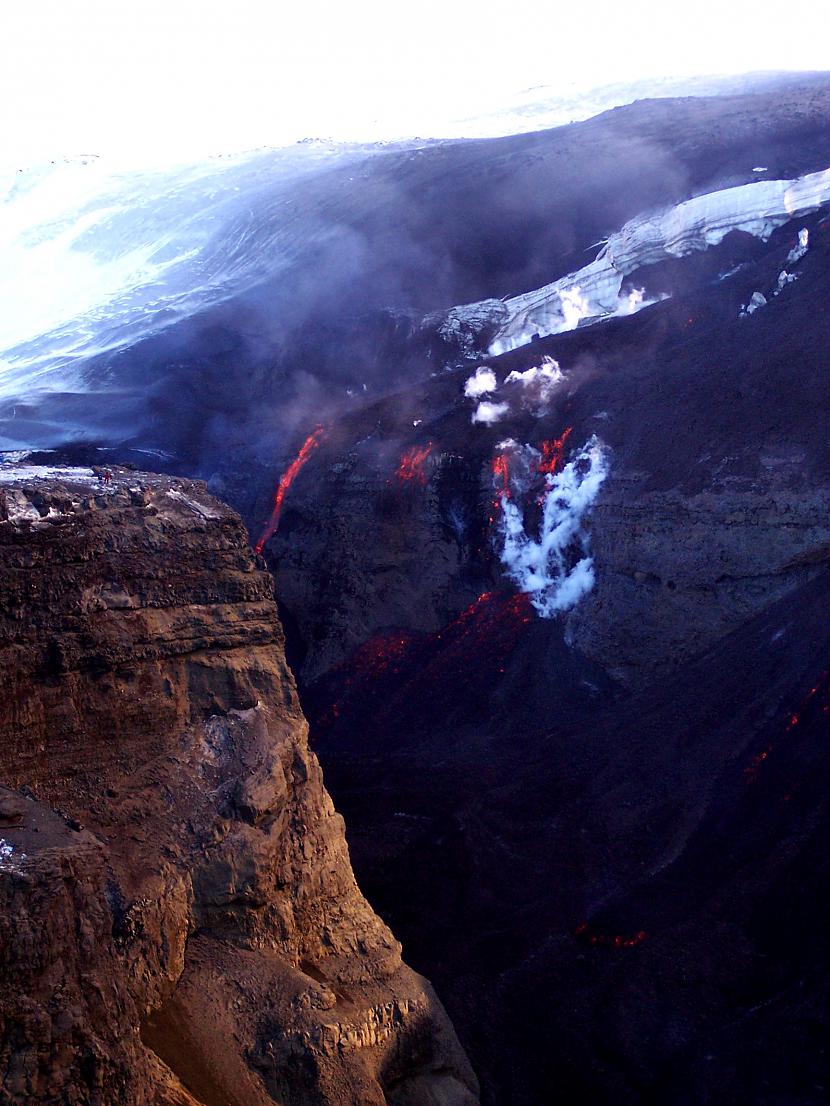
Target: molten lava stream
[(501, 479), (412, 466), (286, 480), (815, 703), (553, 452)]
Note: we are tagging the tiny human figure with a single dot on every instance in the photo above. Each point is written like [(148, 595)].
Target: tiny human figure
[(107, 476)]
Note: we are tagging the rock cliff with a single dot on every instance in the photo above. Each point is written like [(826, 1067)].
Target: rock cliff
[(180, 921)]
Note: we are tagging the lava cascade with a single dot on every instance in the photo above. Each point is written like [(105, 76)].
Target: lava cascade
[(550, 461), (286, 480), (501, 480)]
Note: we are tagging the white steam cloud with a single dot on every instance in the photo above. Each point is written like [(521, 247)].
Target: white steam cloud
[(488, 412), (556, 569), (636, 299), (538, 383), (481, 383), (575, 307)]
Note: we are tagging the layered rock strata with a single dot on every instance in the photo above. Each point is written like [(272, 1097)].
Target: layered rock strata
[(180, 920)]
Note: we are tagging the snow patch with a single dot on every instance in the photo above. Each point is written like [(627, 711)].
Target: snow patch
[(784, 278), (801, 247), (198, 508), (756, 300), (12, 474), (8, 856)]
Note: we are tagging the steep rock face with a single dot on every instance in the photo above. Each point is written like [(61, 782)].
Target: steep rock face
[(225, 953), (681, 571), (715, 503)]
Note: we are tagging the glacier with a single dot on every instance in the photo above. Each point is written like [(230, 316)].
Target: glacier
[(594, 292)]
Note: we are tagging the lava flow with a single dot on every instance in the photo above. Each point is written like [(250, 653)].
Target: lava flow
[(286, 480), (412, 467), (553, 453), (551, 457), (401, 675), (816, 703), (501, 480)]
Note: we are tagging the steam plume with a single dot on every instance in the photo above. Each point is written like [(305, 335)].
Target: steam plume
[(481, 383), (556, 569), (488, 412)]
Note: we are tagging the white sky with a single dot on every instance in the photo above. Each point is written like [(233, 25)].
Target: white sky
[(159, 78)]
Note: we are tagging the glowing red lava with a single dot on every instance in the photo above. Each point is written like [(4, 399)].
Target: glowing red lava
[(286, 480), (389, 673), (485, 614), (817, 696), (552, 455), (501, 480), (412, 467), (553, 452), (585, 932)]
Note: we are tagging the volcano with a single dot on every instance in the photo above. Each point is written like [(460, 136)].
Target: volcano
[(531, 434)]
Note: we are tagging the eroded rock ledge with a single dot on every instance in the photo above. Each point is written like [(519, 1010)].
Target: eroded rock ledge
[(179, 921)]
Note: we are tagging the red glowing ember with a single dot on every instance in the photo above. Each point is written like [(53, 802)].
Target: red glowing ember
[(286, 480), (585, 932), (553, 452), (815, 702), (412, 467)]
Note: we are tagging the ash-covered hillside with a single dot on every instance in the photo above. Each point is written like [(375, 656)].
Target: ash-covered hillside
[(532, 433)]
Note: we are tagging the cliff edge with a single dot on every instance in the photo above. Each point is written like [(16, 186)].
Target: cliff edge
[(180, 923)]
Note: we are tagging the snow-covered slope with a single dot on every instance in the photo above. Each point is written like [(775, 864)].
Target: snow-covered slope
[(94, 258), (542, 106)]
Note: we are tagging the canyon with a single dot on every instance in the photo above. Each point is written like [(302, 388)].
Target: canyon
[(541, 581)]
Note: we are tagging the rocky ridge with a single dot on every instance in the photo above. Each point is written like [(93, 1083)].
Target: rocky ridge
[(181, 921)]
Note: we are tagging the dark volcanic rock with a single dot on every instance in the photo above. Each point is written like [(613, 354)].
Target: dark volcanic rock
[(608, 823)]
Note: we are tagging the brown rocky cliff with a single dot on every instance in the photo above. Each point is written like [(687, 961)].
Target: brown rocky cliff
[(188, 927)]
